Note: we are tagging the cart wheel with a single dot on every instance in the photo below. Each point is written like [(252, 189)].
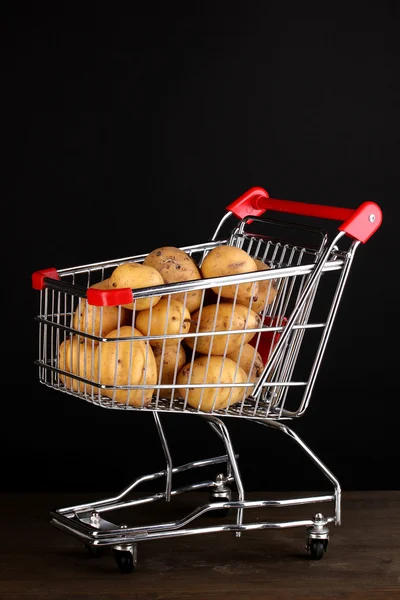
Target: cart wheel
[(94, 551), (317, 549), (125, 561), (222, 512)]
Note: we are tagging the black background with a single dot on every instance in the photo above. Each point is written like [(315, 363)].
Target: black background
[(126, 129)]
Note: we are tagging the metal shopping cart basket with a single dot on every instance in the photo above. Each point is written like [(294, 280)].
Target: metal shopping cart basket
[(126, 369)]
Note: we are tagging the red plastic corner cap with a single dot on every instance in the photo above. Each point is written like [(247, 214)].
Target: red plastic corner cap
[(244, 205), (38, 277), (363, 223), (114, 297)]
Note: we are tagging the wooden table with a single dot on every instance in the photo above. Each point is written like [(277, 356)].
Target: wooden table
[(38, 561)]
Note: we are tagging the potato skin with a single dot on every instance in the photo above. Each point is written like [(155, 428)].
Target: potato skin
[(250, 360), (99, 321), (173, 360), (215, 369), (101, 285), (176, 265), (167, 317), (134, 364), (136, 276), (230, 260), (76, 358), (226, 316), (267, 289)]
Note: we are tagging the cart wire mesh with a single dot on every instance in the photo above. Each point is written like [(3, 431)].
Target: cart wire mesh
[(74, 339)]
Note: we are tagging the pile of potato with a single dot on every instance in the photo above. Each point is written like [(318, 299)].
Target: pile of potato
[(207, 359)]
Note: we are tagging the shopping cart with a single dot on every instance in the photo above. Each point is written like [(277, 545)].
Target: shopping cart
[(307, 272)]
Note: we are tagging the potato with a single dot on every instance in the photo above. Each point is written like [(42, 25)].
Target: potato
[(250, 360), (168, 317), (267, 289), (99, 320), (129, 362), (173, 359), (223, 317), (136, 276), (215, 369), (229, 260), (76, 358), (101, 285), (176, 265)]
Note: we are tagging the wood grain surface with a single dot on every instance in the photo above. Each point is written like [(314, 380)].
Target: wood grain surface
[(38, 561)]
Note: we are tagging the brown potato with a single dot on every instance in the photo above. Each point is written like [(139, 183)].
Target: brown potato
[(176, 265), (129, 362), (223, 317), (99, 320), (173, 359), (135, 276), (250, 360), (101, 285), (230, 260), (215, 369), (77, 359), (168, 317), (267, 289)]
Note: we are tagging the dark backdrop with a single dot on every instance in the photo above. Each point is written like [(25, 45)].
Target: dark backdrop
[(129, 129)]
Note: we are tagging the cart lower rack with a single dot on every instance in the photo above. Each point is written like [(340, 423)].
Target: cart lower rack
[(216, 330)]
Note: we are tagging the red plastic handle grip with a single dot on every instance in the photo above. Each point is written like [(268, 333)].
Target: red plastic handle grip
[(94, 296), (113, 297), (359, 223), (38, 277)]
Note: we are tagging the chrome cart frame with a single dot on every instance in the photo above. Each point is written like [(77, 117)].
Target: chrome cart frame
[(298, 270)]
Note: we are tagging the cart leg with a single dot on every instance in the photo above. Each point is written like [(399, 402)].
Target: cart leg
[(216, 430), (167, 454), (314, 458), (223, 432)]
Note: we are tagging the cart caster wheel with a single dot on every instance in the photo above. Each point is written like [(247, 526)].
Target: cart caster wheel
[(317, 549), (223, 512), (94, 551), (126, 560)]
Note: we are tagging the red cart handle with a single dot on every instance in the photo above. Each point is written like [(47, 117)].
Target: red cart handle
[(359, 224)]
